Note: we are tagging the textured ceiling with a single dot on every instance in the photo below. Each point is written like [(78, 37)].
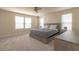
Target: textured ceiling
[(30, 10)]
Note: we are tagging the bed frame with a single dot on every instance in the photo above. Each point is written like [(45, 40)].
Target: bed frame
[(46, 40)]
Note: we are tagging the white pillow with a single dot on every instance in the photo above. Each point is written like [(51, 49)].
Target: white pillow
[(53, 27)]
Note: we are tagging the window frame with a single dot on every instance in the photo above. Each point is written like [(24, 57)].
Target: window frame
[(28, 23), (41, 21), (62, 23), (16, 23), (23, 22)]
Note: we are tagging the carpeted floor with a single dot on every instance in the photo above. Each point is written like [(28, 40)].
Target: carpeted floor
[(24, 43)]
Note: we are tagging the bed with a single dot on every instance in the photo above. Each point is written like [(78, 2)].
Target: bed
[(45, 34)]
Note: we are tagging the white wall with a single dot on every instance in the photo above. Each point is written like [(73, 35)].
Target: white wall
[(35, 22), (51, 18)]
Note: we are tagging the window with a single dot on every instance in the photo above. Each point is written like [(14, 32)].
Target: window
[(67, 21), (27, 22), (42, 22), (19, 22), (22, 22)]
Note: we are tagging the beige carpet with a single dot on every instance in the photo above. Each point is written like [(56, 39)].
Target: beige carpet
[(24, 43)]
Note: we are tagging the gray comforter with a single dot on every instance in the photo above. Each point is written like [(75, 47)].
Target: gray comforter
[(43, 33)]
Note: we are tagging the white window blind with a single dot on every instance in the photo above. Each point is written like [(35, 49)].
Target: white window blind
[(67, 21), (22, 22), (41, 22), (19, 22), (28, 22)]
